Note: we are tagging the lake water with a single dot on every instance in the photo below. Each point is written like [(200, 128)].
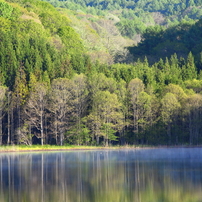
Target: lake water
[(144, 175)]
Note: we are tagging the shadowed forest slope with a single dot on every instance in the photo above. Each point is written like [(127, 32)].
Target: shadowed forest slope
[(158, 42)]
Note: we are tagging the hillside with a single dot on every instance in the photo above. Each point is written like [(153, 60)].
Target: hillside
[(156, 29), (135, 15), (63, 79), (158, 42)]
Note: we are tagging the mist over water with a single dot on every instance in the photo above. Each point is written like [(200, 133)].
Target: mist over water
[(102, 176)]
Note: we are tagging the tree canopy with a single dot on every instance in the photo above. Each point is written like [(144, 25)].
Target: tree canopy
[(65, 77)]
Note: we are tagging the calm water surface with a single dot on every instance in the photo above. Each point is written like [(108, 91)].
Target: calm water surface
[(147, 175)]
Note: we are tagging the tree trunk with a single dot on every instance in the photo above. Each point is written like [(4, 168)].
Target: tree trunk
[(41, 123), (190, 130), (1, 134), (12, 125), (8, 138), (19, 124), (169, 133)]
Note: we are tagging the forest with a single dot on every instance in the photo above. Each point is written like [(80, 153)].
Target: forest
[(70, 73)]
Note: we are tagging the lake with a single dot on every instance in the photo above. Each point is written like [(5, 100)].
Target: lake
[(139, 175)]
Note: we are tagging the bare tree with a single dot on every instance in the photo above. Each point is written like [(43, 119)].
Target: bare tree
[(35, 108), (59, 106)]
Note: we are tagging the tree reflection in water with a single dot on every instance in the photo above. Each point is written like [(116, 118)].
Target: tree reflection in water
[(99, 176)]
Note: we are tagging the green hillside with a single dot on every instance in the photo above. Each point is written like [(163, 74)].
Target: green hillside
[(158, 42), (136, 15), (66, 78)]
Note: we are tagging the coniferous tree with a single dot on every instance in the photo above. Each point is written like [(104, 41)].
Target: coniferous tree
[(191, 72), (19, 95)]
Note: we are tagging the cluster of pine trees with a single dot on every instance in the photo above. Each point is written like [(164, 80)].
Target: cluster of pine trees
[(52, 93)]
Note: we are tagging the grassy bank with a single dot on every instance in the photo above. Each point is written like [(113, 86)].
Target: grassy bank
[(21, 148)]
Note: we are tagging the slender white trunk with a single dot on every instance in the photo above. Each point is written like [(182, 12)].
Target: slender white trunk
[(1, 134), (41, 122)]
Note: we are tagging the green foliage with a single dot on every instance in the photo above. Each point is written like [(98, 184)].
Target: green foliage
[(57, 93), (135, 15), (170, 105), (166, 7), (52, 21), (158, 42), (5, 24), (5, 10), (130, 27), (71, 40)]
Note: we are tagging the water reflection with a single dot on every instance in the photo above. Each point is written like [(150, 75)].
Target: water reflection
[(102, 176)]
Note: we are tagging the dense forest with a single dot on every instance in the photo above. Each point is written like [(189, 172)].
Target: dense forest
[(133, 16), (67, 78)]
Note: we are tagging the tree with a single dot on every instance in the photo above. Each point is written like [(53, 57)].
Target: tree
[(25, 136), (193, 111), (195, 85), (60, 106), (146, 113), (175, 70), (135, 87), (123, 98), (35, 108), (79, 95), (5, 10), (71, 40), (169, 111), (190, 71), (19, 97), (2, 105), (99, 81), (106, 116), (177, 91)]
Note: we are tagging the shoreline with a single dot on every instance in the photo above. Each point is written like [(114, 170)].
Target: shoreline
[(45, 148)]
